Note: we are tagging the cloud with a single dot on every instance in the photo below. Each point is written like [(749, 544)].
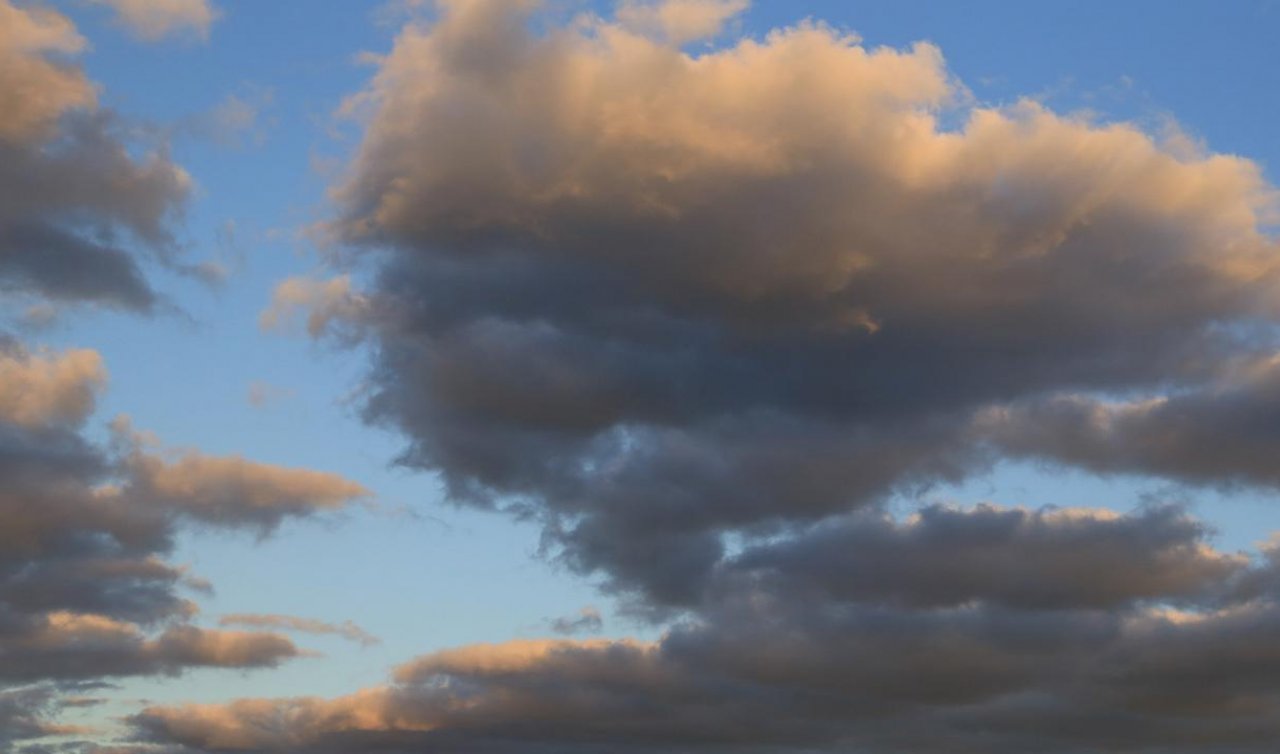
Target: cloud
[(45, 389), (79, 194), (653, 298), (25, 713), (308, 721), (228, 491), (86, 592), (262, 394), (154, 19), (948, 558), (679, 21), (587, 620), (885, 660), (238, 120), (704, 316), (65, 267), (1222, 433), (36, 89), (76, 646), (346, 629), (330, 306)]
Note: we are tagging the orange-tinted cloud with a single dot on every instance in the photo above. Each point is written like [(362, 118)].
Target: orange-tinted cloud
[(154, 19), (69, 173), (35, 89), (346, 629), (86, 592), (664, 296), (48, 389)]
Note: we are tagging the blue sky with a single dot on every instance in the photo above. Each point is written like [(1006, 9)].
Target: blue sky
[(250, 112)]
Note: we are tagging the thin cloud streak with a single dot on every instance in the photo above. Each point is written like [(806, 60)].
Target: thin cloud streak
[(345, 629)]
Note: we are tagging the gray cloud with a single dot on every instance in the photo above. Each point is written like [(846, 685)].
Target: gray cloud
[(947, 558), (586, 620), (76, 203), (86, 592), (1224, 433), (88, 203), (65, 267), (663, 302), (26, 713), (963, 663), (651, 298)]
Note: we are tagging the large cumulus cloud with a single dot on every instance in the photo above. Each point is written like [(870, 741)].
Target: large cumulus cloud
[(78, 202), (703, 315), (652, 297)]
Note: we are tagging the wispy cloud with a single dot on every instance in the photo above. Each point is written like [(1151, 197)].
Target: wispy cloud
[(152, 20), (345, 629), (587, 620)]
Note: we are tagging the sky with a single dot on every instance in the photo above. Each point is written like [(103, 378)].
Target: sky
[(640, 376)]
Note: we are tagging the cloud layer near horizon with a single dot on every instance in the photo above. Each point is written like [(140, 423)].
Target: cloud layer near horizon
[(983, 630), (662, 301)]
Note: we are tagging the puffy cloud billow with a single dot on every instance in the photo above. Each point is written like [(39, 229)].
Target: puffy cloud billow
[(653, 296), (662, 301), (80, 207)]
